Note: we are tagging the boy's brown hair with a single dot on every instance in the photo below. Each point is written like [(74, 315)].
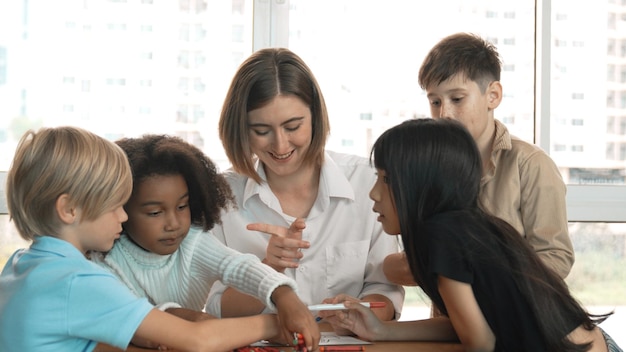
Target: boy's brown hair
[(461, 53)]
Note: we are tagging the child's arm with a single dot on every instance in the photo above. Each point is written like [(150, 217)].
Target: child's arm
[(385, 313), (466, 316), (364, 323), (190, 314), (544, 213), (209, 335), (294, 316), (187, 314), (235, 303), (396, 269)]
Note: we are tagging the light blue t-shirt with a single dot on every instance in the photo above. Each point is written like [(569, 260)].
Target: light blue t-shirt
[(53, 299)]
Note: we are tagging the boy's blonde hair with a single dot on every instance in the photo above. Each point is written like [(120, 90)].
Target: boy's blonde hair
[(94, 173)]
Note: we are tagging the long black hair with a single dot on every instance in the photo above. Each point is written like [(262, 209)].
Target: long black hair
[(433, 166)]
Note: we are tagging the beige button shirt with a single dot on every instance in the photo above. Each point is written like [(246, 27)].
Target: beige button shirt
[(524, 187)]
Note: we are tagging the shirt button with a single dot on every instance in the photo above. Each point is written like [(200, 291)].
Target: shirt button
[(301, 269)]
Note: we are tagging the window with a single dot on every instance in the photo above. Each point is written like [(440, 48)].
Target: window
[(85, 86), (493, 40), (114, 26), (403, 20), (509, 120), (183, 32), (199, 32), (198, 85), (182, 114), (199, 59), (610, 47), (347, 142), (183, 59), (610, 99), (121, 72), (612, 20), (238, 33), (146, 55), (622, 78), (145, 83), (3, 65), (610, 125), (610, 151), (128, 86)]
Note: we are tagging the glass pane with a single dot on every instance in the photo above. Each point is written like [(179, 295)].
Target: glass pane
[(597, 280), (366, 56), (10, 240), (588, 91), (120, 68)]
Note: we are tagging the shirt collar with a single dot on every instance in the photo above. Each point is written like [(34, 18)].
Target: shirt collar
[(333, 182), (57, 246), (501, 142), (140, 255)]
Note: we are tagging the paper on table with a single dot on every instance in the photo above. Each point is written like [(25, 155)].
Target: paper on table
[(328, 339)]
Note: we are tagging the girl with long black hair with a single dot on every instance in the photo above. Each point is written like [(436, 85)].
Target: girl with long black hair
[(492, 288)]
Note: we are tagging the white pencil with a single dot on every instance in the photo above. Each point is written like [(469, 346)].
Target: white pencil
[(318, 307)]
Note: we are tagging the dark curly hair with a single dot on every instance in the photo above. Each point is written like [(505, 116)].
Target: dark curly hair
[(153, 155)]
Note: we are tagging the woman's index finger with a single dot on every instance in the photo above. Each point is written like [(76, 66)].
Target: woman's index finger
[(271, 230)]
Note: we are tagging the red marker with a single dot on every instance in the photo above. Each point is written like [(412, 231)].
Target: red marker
[(342, 348)]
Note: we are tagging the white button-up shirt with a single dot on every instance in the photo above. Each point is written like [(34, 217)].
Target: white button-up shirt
[(348, 245)]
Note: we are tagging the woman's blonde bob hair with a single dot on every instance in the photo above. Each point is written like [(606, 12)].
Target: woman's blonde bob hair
[(92, 171), (268, 73)]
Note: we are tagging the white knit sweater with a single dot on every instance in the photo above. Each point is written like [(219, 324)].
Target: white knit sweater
[(185, 277)]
